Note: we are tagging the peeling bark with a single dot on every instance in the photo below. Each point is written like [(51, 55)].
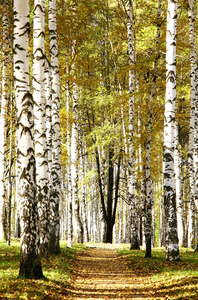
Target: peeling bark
[(30, 264), (172, 248)]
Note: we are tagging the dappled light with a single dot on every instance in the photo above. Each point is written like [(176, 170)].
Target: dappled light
[(98, 149), (100, 273)]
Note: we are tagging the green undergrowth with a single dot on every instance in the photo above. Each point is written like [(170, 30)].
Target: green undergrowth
[(56, 269), (167, 280), (163, 280)]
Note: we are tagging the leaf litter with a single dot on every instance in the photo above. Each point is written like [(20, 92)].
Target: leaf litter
[(105, 272), (101, 273)]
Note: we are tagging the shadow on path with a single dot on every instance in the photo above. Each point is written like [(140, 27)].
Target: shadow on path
[(103, 274)]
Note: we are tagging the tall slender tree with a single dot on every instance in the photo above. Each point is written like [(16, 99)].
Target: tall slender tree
[(149, 192), (77, 224), (54, 246), (178, 186), (3, 113), (83, 188), (192, 154), (69, 195), (30, 264), (172, 248), (41, 154), (48, 111), (131, 177)]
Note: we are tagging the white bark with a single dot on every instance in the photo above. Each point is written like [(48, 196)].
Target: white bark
[(153, 240), (192, 100), (70, 215), (3, 113), (131, 179), (54, 246), (149, 191), (41, 154), (83, 187), (162, 219), (142, 186), (194, 91), (179, 199), (193, 135), (191, 224), (77, 226), (48, 112), (172, 249), (9, 194), (30, 266)]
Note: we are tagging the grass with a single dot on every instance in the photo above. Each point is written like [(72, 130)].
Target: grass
[(167, 280), (56, 270), (164, 280)]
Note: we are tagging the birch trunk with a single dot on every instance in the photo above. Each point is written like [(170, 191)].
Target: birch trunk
[(77, 225), (192, 100), (172, 249), (162, 219), (142, 218), (10, 178), (131, 179), (142, 188), (193, 135), (179, 200), (30, 264), (3, 113), (149, 192), (83, 189), (191, 224), (125, 165), (102, 173), (153, 241), (48, 112), (192, 154), (40, 137), (70, 216), (54, 246)]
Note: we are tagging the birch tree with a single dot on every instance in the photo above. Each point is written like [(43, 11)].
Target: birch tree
[(54, 246), (41, 154), (3, 113), (149, 192), (179, 199), (70, 216), (172, 248), (30, 264), (131, 179), (10, 177), (192, 154), (77, 224), (48, 112), (82, 145)]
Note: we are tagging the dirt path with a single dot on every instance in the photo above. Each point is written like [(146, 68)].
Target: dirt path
[(103, 274)]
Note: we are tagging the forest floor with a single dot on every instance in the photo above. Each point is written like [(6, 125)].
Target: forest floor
[(102, 273)]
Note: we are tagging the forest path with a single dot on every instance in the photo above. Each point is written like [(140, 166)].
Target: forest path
[(101, 273)]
